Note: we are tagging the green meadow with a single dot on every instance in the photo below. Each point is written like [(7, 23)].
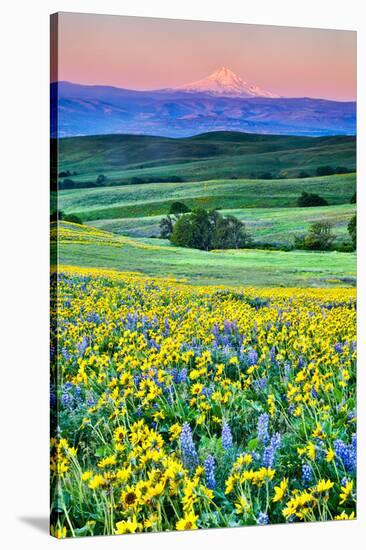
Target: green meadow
[(130, 213), (141, 200), (272, 225), (227, 267)]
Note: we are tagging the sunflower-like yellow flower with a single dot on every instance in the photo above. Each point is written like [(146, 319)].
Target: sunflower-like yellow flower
[(280, 490), (188, 521)]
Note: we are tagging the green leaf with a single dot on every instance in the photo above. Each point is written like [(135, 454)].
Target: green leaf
[(253, 444)]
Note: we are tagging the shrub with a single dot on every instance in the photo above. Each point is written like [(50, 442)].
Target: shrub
[(324, 171), (67, 183), (319, 237), (303, 174), (352, 230), (73, 219), (311, 199), (136, 180), (342, 170), (166, 227), (353, 198), (61, 216), (178, 208), (101, 179)]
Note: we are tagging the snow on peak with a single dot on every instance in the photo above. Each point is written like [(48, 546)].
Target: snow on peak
[(224, 81)]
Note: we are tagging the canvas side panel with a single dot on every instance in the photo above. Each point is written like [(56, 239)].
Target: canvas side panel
[(55, 454)]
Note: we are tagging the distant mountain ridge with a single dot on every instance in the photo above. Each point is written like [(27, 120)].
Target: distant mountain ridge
[(79, 110)]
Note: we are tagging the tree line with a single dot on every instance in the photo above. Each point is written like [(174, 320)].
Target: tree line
[(209, 229)]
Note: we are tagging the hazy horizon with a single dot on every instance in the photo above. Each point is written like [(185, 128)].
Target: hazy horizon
[(144, 54)]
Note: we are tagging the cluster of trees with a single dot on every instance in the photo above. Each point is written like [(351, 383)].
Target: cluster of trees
[(320, 237), (156, 179), (311, 199), (66, 174), (208, 230), (319, 171), (330, 171), (205, 230), (69, 183), (59, 215)]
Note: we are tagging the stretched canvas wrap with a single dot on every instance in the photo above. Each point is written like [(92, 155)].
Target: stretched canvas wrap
[(203, 302)]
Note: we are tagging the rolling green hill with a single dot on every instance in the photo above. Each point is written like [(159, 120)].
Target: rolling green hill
[(153, 199), (214, 155)]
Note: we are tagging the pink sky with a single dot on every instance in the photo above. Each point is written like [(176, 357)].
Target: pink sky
[(146, 53)]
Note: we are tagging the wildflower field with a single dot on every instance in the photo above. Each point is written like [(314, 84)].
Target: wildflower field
[(176, 406)]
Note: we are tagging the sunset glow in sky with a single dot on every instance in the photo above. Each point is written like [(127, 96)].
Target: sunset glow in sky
[(145, 53)]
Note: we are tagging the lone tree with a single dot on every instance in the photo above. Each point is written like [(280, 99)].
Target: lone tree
[(311, 199), (352, 230), (230, 233), (178, 208), (319, 237), (101, 179), (166, 227), (207, 230)]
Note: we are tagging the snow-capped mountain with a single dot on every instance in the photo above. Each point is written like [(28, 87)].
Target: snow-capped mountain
[(225, 82)]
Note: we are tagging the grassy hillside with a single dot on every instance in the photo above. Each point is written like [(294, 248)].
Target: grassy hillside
[(209, 156), (272, 225), (155, 198), (89, 247)]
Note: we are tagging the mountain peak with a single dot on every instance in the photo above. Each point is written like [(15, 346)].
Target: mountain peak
[(223, 72), (223, 81)]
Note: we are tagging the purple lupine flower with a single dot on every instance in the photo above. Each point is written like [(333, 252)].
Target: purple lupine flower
[(307, 474), (338, 347), (287, 368), (66, 399), (269, 454), (344, 481), (226, 437), (252, 357), (262, 428), (262, 518), (260, 385), (189, 453), (83, 345), (210, 472), (182, 375), (65, 354), (346, 454)]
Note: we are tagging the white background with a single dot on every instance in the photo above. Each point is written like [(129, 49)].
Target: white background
[(24, 268)]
